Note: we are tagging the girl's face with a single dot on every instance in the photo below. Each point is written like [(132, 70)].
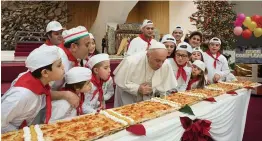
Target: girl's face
[(196, 56), (195, 41), (170, 46), (196, 70), (104, 70), (92, 46), (86, 88)]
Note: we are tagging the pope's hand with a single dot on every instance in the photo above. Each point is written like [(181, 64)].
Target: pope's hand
[(145, 89), (72, 99)]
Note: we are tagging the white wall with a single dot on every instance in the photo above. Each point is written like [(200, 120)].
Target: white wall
[(110, 12), (179, 13), (249, 8)]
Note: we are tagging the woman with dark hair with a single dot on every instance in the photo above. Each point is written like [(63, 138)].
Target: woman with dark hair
[(195, 39), (170, 42)]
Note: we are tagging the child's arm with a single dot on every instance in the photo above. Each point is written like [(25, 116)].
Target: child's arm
[(225, 68), (109, 90), (11, 109)]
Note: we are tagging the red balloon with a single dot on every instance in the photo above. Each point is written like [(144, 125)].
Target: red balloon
[(259, 22), (246, 34), (255, 18)]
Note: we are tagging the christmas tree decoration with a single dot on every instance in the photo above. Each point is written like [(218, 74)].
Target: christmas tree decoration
[(217, 19)]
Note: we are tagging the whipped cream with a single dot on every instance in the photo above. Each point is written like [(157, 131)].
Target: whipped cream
[(27, 134), (122, 116), (39, 133), (167, 102), (195, 94), (212, 88), (235, 84), (113, 118)]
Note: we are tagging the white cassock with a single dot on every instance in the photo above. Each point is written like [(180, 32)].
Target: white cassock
[(181, 84), (18, 104), (138, 45), (135, 70), (91, 106), (221, 66)]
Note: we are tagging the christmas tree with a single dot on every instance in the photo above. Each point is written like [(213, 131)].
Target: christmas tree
[(215, 19)]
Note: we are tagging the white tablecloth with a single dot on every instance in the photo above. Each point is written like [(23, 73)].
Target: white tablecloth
[(228, 117)]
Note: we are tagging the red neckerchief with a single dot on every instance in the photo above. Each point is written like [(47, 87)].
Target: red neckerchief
[(142, 36), (191, 81), (79, 109), (215, 59), (98, 83), (35, 85), (181, 71)]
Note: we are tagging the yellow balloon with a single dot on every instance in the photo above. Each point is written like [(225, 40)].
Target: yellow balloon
[(247, 21), (252, 25), (258, 32)]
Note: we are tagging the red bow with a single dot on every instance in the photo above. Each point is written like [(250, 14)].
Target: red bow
[(195, 130), (191, 81), (142, 36), (181, 71), (35, 85), (216, 59), (79, 109)]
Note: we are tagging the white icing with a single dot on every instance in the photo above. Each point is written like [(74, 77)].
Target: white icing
[(39, 133), (212, 88), (114, 118), (194, 94), (120, 115), (167, 102), (240, 85), (27, 134)]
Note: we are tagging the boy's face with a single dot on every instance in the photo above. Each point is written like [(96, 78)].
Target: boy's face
[(196, 56), (178, 34), (56, 37), (214, 47), (148, 30), (86, 88), (181, 57), (57, 72), (195, 41), (81, 48), (104, 70)]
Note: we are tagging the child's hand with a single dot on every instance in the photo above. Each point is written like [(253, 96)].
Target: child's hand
[(72, 99), (216, 77)]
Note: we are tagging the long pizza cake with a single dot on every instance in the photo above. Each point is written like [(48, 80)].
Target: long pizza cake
[(207, 93), (183, 99), (143, 111), (224, 86)]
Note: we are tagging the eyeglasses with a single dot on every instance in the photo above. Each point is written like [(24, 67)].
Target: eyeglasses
[(181, 55)]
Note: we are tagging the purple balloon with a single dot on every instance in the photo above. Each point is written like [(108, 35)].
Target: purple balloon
[(241, 17)]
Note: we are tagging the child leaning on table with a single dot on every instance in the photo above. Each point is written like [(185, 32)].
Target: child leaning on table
[(102, 84), (197, 79), (77, 80), (30, 92)]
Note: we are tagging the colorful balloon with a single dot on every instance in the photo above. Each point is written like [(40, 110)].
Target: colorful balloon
[(258, 32), (252, 25), (255, 18), (247, 21), (238, 30), (238, 23), (246, 34), (241, 17)]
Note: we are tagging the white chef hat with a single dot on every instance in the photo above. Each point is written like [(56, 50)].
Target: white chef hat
[(168, 38), (157, 45), (198, 49), (41, 57), (78, 74), (53, 26), (184, 46), (178, 28), (74, 34), (97, 59), (146, 22), (200, 64), (215, 40), (91, 36)]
